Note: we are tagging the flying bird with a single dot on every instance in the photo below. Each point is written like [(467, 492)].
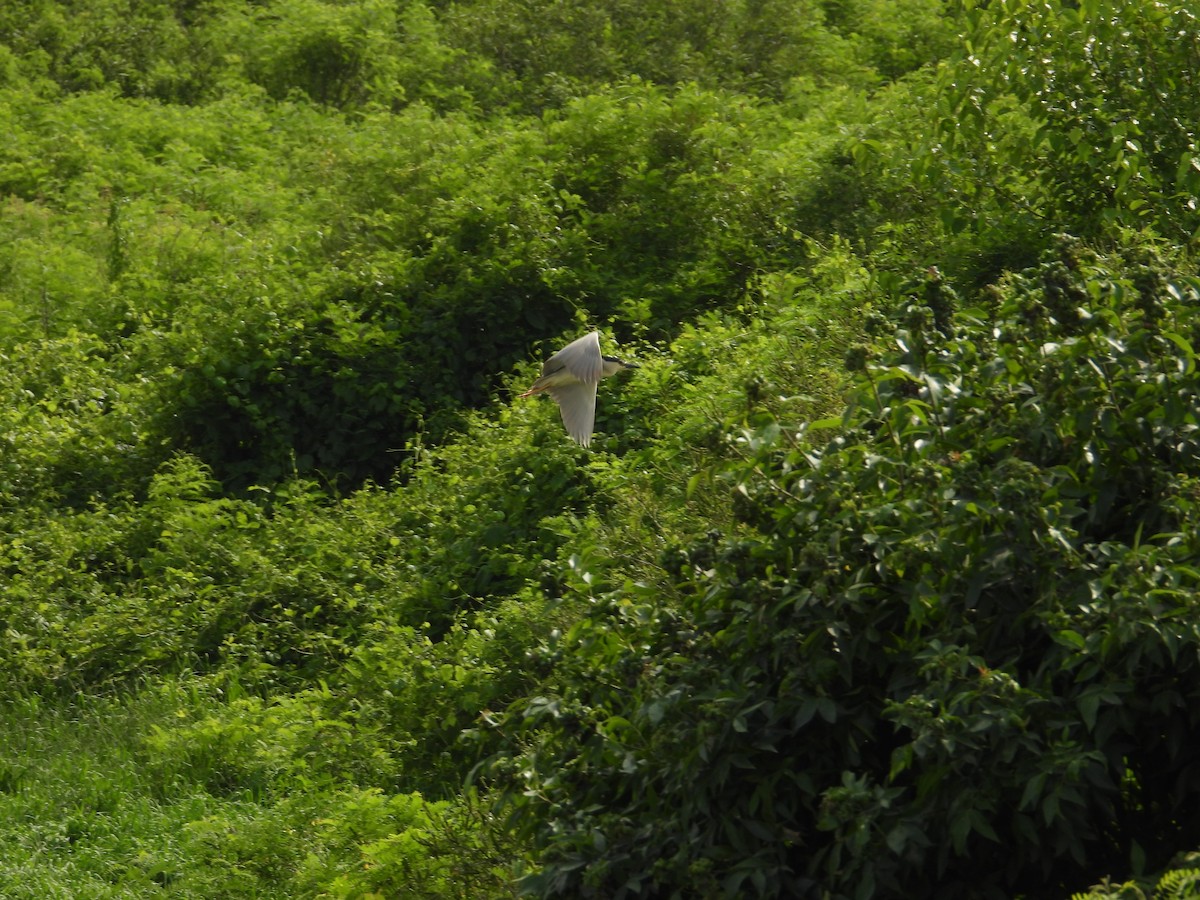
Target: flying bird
[(570, 376)]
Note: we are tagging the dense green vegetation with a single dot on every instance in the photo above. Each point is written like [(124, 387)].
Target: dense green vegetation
[(879, 579)]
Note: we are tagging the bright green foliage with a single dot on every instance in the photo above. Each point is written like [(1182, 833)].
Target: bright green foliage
[(335, 55), (69, 426), (954, 651), (478, 55), (335, 343), (102, 800), (554, 50), (1084, 114), (405, 847), (140, 49), (297, 601), (283, 594), (1049, 117), (1176, 884)]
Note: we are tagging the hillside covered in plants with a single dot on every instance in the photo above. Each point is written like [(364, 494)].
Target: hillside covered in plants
[(880, 578)]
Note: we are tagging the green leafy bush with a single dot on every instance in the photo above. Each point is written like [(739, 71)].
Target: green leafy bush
[(404, 846), (265, 270), (1176, 884), (340, 55), (953, 651), (1079, 113)]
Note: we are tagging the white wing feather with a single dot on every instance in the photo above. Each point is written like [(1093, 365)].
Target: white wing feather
[(577, 405), (580, 357)]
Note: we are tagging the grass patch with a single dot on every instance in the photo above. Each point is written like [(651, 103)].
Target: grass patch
[(83, 816)]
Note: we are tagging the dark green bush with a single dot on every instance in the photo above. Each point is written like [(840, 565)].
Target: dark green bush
[(339, 55), (952, 653), (1076, 113)]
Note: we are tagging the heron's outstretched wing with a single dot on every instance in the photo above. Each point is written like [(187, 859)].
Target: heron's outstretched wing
[(580, 357), (577, 404)]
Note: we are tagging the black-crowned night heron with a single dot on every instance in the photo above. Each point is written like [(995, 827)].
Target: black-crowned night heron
[(570, 376)]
